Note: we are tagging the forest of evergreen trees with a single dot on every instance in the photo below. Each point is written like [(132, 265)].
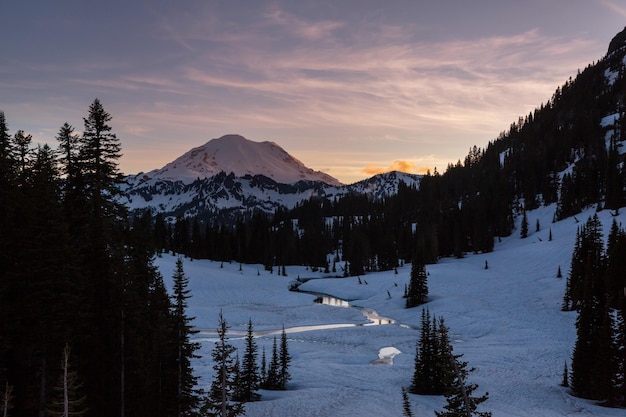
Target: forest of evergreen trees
[(87, 325), (78, 285), (596, 289)]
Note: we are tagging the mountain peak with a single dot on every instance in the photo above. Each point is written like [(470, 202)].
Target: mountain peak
[(618, 41), (241, 156)]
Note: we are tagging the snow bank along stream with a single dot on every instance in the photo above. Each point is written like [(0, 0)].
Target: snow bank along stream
[(385, 355)]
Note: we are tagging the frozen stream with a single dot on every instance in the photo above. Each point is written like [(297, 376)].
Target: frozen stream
[(372, 316), (385, 355)]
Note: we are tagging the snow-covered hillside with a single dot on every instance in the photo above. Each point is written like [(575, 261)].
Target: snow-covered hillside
[(506, 320)]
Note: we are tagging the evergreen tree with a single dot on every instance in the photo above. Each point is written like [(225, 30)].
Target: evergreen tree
[(285, 360), (460, 401), (615, 266), (565, 380), (97, 227), (424, 363), (7, 226), (406, 404), (618, 397), (23, 151), (250, 370), (432, 373), (100, 149), (524, 226), (272, 380), (187, 397), (149, 353), (68, 150), (263, 379), (417, 293), (219, 401), (593, 359)]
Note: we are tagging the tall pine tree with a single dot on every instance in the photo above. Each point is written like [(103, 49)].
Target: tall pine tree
[(220, 400), (250, 369), (417, 292), (187, 397)]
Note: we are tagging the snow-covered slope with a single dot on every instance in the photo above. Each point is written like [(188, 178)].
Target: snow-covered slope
[(506, 321), (236, 154)]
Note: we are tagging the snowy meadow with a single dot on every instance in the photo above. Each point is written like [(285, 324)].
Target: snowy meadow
[(503, 310)]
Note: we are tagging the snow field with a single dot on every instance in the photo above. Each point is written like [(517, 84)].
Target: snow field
[(505, 320)]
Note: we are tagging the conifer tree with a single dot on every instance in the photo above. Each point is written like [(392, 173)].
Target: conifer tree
[(219, 401), (618, 397), (417, 293), (565, 380), (68, 150), (460, 402), (23, 151), (524, 226), (406, 404), (97, 232), (593, 359), (250, 369), (187, 397), (432, 375), (100, 149), (273, 371), (7, 208), (423, 375), (285, 360), (263, 378)]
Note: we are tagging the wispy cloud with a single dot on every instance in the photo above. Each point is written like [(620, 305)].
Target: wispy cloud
[(464, 83), (309, 30), (617, 8), (339, 79)]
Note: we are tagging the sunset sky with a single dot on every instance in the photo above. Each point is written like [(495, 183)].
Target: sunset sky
[(351, 88)]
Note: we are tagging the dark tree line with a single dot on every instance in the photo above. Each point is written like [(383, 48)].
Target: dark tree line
[(74, 277)]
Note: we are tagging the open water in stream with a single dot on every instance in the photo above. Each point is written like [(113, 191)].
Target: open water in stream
[(372, 316)]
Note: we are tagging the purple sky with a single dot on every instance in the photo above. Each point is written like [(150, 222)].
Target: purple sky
[(348, 87)]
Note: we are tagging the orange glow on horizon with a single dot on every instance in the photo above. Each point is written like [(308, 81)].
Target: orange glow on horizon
[(397, 165)]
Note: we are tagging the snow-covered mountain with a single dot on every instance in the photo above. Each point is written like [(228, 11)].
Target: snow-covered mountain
[(231, 175), (236, 154)]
